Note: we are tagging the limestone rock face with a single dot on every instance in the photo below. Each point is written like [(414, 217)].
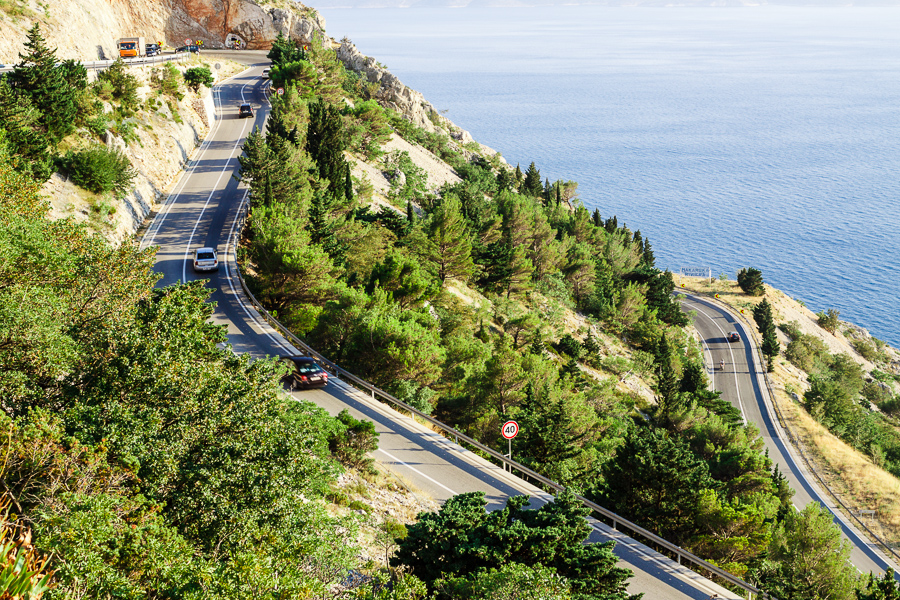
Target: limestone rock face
[(215, 21), (392, 93)]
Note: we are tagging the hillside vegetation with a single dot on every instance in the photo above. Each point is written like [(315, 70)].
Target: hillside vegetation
[(148, 461), (456, 300)]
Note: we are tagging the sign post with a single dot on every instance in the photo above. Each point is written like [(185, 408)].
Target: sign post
[(509, 430)]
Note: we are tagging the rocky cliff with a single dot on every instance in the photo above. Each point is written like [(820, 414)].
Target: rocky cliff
[(88, 29)]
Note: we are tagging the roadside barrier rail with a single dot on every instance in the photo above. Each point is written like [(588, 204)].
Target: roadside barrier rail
[(794, 440), (618, 523), (97, 65)]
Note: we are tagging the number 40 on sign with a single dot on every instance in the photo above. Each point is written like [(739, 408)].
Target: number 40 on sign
[(510, 430)]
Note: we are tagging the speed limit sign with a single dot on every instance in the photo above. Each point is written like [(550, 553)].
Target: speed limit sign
[(510, 430)]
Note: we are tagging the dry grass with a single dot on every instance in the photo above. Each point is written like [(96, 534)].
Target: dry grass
[(848, 474)]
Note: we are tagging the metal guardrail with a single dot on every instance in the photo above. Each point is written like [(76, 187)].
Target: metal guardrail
[(618, 523), (96, 65), (794, 440)]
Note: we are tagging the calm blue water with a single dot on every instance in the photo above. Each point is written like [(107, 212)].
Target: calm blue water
[(731, 137)]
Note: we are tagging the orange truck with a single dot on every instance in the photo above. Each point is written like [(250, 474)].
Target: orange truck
[(132, 47)]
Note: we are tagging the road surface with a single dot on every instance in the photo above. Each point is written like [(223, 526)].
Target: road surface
[(742, 383)]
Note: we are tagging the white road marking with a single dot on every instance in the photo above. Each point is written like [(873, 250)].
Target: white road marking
[(397, 460)]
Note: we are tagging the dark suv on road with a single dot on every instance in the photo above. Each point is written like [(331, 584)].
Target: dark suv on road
[(305, 372), (245, 111)]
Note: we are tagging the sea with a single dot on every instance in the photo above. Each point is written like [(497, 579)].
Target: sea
[(763, 136)]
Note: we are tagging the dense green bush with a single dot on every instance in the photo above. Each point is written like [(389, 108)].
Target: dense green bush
[(751, 281), (353, 440), (197, 76), (100, 170), (116, 83)]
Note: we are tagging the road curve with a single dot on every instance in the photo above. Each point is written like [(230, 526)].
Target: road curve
[(742, 383), (203, 210)]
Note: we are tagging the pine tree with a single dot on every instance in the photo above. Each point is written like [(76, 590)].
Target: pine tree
[(518, 272), (547, 436), (532, 185), (765, 322), (449, 248), (40, 78), (667, 383), (519, 177), (28, 145), (751, 281)]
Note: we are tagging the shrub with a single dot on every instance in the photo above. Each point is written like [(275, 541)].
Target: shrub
[(197, 76), (353, 441), (116, 83), (829, 320), (570, 346), (167, 80), (866, 349), (100, 170)]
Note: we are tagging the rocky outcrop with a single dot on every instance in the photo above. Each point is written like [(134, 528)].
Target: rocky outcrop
[(396, 96), (88, 29), (221, 22)]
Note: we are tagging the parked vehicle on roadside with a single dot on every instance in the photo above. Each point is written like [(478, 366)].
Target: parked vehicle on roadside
[(191, 48), (153, 50)]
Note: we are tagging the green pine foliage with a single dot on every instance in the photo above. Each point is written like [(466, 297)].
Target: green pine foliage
[(751, 281), (463, 541), (100, 170), (197, 76), (148, 460)]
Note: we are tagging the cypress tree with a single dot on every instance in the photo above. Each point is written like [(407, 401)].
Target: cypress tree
[(647, 257), (598, 220), (751, 281), (410, 215), (325, 142), (612, 224), (558, 194), (765, 322)]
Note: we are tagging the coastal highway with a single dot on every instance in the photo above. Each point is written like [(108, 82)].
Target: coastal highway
[(742, 383), (203, 210)]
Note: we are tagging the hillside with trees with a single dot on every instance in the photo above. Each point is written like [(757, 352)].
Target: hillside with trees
[(146, 460), (458, 301)]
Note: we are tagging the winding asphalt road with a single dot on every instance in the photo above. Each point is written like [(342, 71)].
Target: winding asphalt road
[(742, 383), (203, 210)]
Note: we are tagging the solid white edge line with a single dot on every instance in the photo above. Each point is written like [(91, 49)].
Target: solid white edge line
[(160, 217)]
